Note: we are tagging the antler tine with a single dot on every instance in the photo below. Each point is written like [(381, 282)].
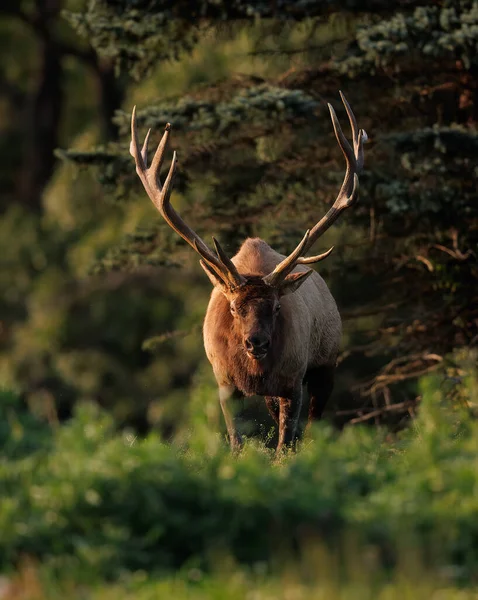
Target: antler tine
[(347, 152), (287, 265), (359, 136), (210, 269), (359, 158), (352, 120), (134, 145), (227, 262), (221, 265), (158, 157), (144, 149), (314, 259), (340, 136), (216, 270), (164, 206)]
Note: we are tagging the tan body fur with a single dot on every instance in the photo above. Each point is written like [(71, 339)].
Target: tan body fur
[(307, 335)]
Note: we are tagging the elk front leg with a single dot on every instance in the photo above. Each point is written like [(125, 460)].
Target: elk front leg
[(289, 411), (273, 407), (226, 398)]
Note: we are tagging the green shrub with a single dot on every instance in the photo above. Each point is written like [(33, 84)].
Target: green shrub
[(99, 501), (21, 433)]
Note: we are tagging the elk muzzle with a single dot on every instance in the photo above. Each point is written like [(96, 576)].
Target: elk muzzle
[(257, 345)]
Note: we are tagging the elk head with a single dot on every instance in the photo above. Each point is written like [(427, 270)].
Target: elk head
[(254, 301)]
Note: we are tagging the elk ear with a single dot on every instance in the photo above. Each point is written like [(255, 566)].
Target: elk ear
[(213, 278), (293, 281)]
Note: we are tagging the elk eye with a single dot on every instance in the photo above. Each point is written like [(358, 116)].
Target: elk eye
[(277, 308), (233, 309)]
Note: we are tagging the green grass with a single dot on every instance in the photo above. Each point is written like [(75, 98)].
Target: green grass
[(318, 577), (357, 514)]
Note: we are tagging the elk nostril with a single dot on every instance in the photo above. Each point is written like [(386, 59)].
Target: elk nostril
[(257, 343), (252, 342)]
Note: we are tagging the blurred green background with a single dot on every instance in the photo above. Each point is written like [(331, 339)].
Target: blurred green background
[(102, 304)]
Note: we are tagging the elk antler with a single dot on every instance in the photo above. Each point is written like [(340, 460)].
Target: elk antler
[(221, 266), (347, 196)]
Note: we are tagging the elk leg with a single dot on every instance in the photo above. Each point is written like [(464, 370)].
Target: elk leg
[(273, 407), (320, 383), (289, 411), (226, 397)]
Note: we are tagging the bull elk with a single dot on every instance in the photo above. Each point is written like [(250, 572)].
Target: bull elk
[(271, 323)]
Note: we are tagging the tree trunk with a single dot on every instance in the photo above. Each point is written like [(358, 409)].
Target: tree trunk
[(111, 95), (42, 123)]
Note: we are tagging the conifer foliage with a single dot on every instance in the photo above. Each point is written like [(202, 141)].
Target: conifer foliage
[(258, 156)]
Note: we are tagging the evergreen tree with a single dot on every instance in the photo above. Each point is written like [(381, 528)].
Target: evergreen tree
[(258, 157)]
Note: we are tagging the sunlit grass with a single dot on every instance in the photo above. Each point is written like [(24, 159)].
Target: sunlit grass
[(318, 577)]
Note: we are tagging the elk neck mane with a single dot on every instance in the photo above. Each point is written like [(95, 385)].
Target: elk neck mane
[(256, 257)]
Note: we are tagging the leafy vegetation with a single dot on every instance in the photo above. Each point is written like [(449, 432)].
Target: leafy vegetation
[(102, 300), (93, 503)]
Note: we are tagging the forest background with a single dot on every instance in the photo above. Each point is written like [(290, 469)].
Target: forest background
[(101, 303)]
